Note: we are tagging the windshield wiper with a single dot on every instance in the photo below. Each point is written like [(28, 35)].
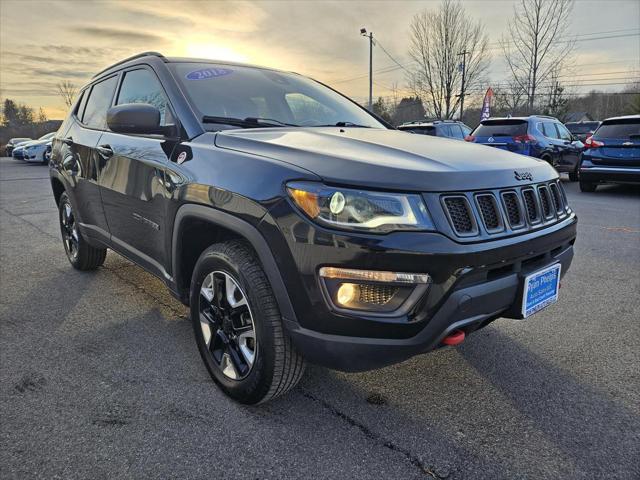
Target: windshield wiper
[(343, 124), (249, 122)]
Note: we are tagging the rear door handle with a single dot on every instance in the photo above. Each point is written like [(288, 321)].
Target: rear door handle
[(105, 151)]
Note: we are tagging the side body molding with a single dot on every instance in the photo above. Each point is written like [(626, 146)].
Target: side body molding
[(247, 231)]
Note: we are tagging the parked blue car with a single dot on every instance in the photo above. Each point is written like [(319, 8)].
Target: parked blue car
[(612, 154), (537, 136)]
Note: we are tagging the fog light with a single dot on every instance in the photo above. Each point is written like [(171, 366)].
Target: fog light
[(347, 293)]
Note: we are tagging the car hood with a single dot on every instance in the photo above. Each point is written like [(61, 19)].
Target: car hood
[(388, 159)]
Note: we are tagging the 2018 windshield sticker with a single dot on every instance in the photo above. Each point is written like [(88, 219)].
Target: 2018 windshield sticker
[(207, 73)]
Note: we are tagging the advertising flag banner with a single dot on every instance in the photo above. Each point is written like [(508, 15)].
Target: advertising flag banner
[(486, 105)]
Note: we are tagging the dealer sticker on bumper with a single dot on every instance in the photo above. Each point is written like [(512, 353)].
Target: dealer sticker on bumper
[(540, 290)]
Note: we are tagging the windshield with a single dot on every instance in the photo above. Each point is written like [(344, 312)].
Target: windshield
[(624, 129), (501, 128), (47, 136), (238, 92)]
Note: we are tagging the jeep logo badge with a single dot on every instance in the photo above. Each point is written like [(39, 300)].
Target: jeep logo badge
[(521, 176)]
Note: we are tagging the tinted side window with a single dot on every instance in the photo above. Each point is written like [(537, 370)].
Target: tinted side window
[(563, 133), (549, 130), (456, 131), (142, 86), (444, 131), (95, 113), (81, 104)]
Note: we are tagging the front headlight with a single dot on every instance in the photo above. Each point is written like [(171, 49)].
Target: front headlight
[(351, 209)]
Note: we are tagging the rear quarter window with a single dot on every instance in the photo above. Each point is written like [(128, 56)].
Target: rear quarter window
[(501, 128), (622, 129)]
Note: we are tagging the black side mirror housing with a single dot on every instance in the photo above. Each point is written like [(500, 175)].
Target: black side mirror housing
[(140, 118)]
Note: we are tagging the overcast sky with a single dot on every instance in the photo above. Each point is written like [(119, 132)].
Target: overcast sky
[(44, 42)]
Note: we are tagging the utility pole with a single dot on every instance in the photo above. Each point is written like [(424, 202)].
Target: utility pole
[(363, 32), (464, 71)]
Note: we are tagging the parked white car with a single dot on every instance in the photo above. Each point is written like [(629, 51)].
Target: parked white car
[(38, 150)]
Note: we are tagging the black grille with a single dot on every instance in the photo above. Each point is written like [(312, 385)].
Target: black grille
[(513, 209), (557, 198), (460, 214), (489, 210), (502, 211), (530, 204), (376, 294)]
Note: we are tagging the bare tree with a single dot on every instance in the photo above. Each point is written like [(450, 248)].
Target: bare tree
[(42, 116), (67, 90), (438, 40), (533, 47)]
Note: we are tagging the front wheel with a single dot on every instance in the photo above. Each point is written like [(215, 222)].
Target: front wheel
[(238, 326), (81, 255), (46, 156)]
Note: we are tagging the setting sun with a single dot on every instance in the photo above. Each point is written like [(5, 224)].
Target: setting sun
[(200, 49)]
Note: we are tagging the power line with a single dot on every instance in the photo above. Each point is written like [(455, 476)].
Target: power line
[(399, 65)]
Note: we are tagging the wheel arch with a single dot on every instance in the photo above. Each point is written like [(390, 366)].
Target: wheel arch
[(212, 226), (58, 188)]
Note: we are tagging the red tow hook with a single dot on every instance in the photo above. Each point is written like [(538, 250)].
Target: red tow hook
[(454, 338)]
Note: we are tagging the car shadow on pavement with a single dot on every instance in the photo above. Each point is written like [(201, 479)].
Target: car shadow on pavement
[(586, 424)]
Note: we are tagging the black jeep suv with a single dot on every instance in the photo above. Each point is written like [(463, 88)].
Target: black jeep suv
[(295, 224)]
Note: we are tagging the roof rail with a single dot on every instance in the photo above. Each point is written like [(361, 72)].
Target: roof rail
[(139, 55)]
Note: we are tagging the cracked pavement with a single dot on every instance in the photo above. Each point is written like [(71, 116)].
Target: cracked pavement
[(100, 376)]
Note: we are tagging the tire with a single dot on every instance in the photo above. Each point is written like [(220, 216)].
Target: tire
[(588, 186), (573, 176), (253, 371), (81, 255)]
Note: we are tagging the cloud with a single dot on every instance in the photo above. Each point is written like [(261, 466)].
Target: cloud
[(120, 35)]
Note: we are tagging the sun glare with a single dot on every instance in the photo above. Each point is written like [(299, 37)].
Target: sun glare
[(213, 51)]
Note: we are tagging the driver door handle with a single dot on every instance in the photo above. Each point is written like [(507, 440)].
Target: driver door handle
[(105, 151)]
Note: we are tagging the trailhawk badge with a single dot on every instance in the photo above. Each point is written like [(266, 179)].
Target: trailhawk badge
[(521, 176)]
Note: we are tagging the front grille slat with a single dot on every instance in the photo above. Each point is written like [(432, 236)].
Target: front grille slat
[(460, 214), (512, 207), (545, 201), (530, 204), (557, 198), (489, 211)]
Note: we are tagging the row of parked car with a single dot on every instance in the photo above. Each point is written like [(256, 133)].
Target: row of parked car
[(590, 152), (29, 150)]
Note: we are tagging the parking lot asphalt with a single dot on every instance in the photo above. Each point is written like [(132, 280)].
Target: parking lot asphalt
[(101, 378)]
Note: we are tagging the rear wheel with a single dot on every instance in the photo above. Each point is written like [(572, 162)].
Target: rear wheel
[(573, 176), (587, 186), (238, 326), (81, 255)]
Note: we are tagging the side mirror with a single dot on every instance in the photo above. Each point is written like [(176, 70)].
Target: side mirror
[(134, 118)]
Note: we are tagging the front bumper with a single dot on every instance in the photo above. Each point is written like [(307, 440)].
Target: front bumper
[(467, 309), (472, 284)]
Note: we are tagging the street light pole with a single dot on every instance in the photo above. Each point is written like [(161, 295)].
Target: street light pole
[(464, 71), (363, 32)]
